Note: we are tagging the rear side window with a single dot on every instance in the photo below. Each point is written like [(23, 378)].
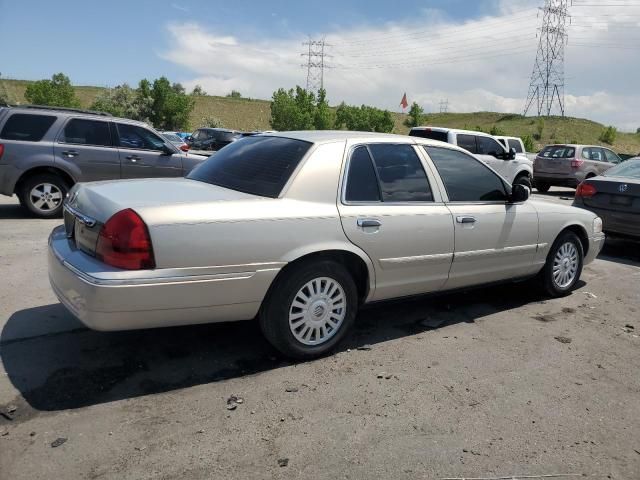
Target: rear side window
[(515, 144), (256, 165), (402, 178), (362, 183), (557, 151), (593, 153), (86, 132), (26, 127), (468, 142), (427, 133), (465, 178)]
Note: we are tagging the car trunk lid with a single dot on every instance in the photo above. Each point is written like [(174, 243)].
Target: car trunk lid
[(612, 193)]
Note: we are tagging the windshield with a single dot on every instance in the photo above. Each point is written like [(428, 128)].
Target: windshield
[(256, 165), (630, 168)]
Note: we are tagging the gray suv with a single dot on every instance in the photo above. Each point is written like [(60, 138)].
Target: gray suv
[(44, 151), (568, 165)]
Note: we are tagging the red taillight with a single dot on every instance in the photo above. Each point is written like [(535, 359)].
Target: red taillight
[(586, 190), (124, 242), (1, 149), (576, 163), (184, 147)]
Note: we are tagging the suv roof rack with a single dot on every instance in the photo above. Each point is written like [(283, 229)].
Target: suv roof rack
[(63, 109)]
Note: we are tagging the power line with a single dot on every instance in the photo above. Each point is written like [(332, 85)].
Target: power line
[(546, 87), (315, 63)]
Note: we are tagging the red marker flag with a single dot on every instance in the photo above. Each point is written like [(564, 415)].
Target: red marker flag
[(403, 103)]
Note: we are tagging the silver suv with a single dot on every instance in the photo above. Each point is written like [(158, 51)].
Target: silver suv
[(44, 151), (568, 165)]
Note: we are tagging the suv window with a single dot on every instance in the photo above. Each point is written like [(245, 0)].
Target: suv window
[(256, 165), (593, 153), (428, 133), (133, 136), (488, 146), (516, 144), (465, 178), (26, 127), (468, 142), (611, 157), (86, 132), (402, 178), (362, 184)]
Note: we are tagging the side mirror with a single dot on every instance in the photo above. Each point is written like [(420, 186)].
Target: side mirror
[(512, 154), (519, 193)]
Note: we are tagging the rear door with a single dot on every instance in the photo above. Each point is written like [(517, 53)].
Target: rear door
[(142, 153), (88, 144), (391, 208)]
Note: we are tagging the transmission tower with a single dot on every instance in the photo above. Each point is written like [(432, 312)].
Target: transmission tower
[(444, 106), (316, 63), (546, 89)]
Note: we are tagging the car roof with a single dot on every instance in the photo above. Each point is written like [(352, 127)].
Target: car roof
[(72, 113), (454, 130)]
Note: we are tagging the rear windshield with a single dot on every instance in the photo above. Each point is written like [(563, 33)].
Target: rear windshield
[(432, 134), (26, 127), (256, 165), (558, 151), (629, 169)]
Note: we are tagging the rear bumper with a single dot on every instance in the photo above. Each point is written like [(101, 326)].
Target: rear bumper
[(558, 180), (8, 177), (103, 300)]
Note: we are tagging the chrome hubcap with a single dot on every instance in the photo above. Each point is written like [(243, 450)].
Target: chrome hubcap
[(317, 311), (565, 265), (46, 197)]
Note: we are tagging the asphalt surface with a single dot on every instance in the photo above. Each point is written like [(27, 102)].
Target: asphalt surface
[(495, 382)]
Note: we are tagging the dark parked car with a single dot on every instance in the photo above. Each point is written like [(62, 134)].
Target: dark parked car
[(211, 139), (45, 150), (615, 197)]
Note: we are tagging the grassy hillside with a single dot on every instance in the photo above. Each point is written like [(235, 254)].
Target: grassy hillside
[(248, 114)]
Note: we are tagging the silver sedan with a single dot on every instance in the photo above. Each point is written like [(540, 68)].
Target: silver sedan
[(298, 229)]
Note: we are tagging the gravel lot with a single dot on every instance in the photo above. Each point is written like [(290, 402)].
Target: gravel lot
[(508, 384)]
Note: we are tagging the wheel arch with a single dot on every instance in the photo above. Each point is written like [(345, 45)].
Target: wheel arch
[(581, 233), (66, 176)]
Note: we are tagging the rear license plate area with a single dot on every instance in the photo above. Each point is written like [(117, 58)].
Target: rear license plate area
[(621, 200)]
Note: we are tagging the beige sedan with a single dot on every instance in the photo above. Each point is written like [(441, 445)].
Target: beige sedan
[(298, 229)]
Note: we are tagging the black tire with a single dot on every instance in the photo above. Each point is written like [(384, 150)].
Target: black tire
[(548, 282), (542, 187), (274, 314), (53, 206), (523, 179)]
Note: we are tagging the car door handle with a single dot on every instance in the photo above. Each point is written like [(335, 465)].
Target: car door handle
[(133, 158), (369, 222), (465, 219), (70, 153)]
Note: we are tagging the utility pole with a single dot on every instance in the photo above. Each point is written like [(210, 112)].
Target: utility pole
[(444, 106), (546, 89), (316, 63)]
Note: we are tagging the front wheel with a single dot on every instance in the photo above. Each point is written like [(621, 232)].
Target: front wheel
[(564, 265), (309, 309), (524, 180)]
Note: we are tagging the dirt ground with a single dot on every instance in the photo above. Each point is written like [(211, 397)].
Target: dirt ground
[(498, 382)]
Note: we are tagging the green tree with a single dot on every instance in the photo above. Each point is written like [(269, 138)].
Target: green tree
[(495, 130), (56, 92), (293, 109), (198, 91), (121, 101), (608, 135), (528, 143), (539, 128), (416, 116), (211, 122), (234, 94), (323, 118), (4, 95), (170, 107), (363, 118)]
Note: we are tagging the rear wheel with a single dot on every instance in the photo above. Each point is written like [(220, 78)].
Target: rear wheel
[(564, 265), (43, 194), (309, 309), (542, 187)]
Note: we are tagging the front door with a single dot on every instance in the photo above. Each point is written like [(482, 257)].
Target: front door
[(88, 146), (494, 239), (142, 154), (389, 209)]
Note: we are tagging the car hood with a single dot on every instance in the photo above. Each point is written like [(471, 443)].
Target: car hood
[(100, 200)]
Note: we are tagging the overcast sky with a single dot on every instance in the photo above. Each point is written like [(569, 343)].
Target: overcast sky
[(478, 55)]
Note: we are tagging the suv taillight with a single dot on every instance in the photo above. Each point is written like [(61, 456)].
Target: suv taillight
[(586, 190), (124, 242), (576, 163), (1, 150)]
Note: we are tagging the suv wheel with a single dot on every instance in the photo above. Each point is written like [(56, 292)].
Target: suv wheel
[(310, 309), (43, 195), (564, 265), (523, 179), (542, 187)]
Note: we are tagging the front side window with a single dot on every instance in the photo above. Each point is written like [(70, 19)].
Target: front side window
[(26, 127), (256, 165), (402, 178), (362, 183), (489, 146), (515, 144), (86, 132), (468, 142), (611, 157), (465, 178), (133, 136)]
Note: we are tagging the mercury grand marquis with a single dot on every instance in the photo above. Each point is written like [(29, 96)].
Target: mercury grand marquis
[(298, 229)]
